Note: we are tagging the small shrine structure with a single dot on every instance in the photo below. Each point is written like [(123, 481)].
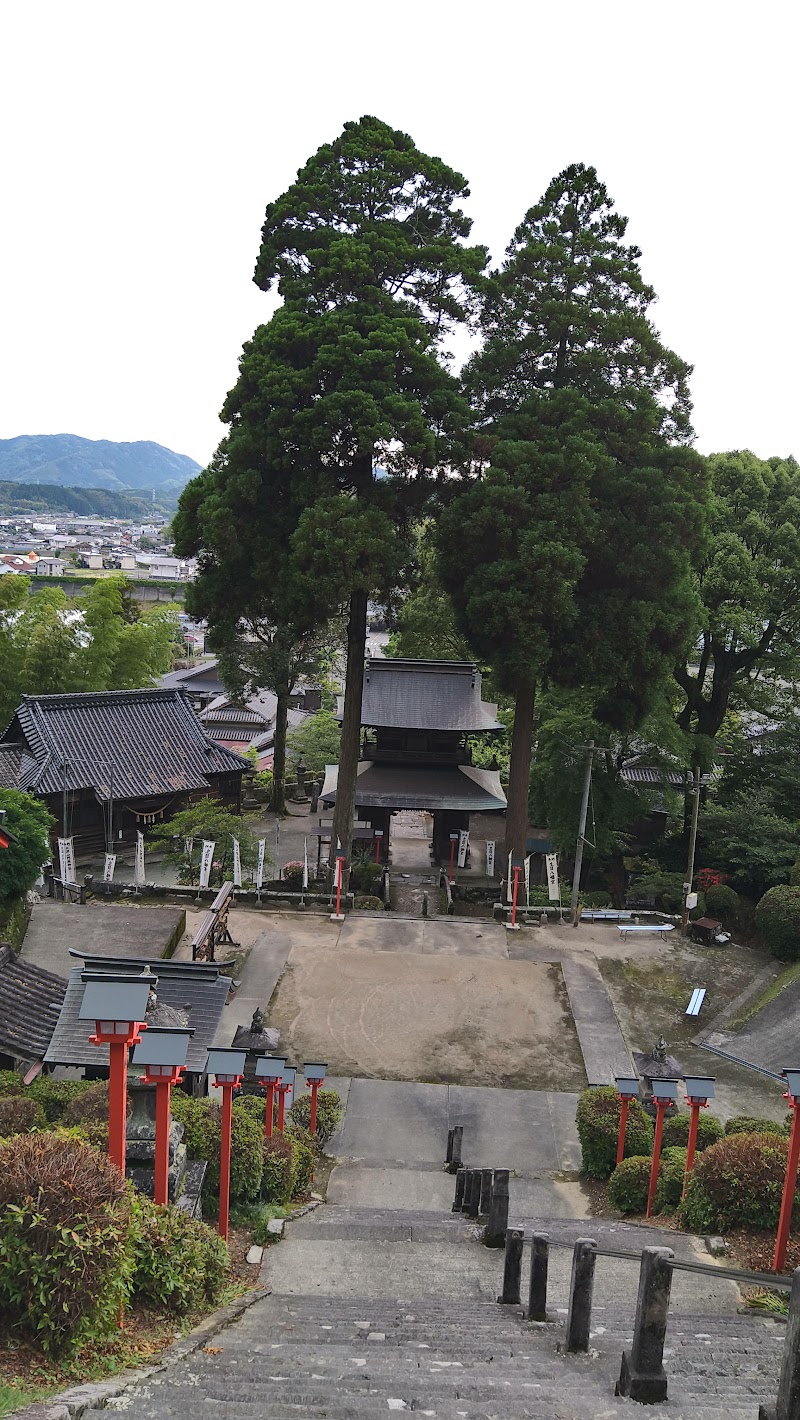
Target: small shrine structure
[(417, 721)]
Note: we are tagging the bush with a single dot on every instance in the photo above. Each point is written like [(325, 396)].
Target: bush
[(598, 1126), (278, 1177), (303, 1161), (671, 1171), (19, 1115), (777, 921), (11, 1083), (596, 899), (180, 1264), (293, 874), (66, 1257), (202, 1122), (676, 1130), (368, 904), (254, 1105), (55, 1096), (366, 876), (737, 1183), (627, 1187), (90, 1106), (329, 1113), (723, 902), (744, 1124)]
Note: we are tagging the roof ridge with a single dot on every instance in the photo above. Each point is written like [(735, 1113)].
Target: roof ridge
[(164, 692)]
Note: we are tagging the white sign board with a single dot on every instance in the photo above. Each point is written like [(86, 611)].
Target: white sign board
[(138, 865), (490, 850), (206, 859), (305, 864), (108, 869), (262, 844), (66, 858), (553, 890), (691, 901), (528, 881), (463, 844), (237, 864), (510, 880)]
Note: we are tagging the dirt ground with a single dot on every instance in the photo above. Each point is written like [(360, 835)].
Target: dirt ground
[(442, 1019)]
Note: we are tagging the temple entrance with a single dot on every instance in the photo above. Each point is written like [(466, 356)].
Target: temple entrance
[(412, 832)]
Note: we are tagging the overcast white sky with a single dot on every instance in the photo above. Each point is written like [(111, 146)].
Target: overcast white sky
[(141, 143)]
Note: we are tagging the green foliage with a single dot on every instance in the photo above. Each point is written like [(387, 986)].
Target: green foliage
[(598, 1127), (304, 1158), (368, 903), (723, 903), (315, 742), (256, 1217), (778, 922), (278, 1179), (745, 1124), (28, 820), (65, 1239), (11, 1083), (366, 876), (749, 840), (20, 1115), (329, 1113), (676, 1129), (207, 819), (180, 1263), (671, 1172), (202, 1122), (55, 1096), (87, 1106), (737, 1183), (627, 1186)]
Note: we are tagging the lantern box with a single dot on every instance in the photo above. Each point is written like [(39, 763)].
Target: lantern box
[(270, 1067), (162, 1046), (226, 1063), (666, 1090), (699, 1087), (314, 1072), (627, 1085), (114, 1001)]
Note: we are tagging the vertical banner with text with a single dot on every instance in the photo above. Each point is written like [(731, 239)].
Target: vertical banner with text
[(138, 865), (262, 846), (108, 867), (528, 881), (463, 845), (553, 888), (237, 864), (66, 859), (490, 851), (206, 859)]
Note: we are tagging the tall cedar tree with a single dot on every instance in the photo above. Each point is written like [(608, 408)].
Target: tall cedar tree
[(749, 585), (586, 580), (367, 251)]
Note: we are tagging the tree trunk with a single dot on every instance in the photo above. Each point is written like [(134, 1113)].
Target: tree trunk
[(350, 743), (278, 798), (519, 776)]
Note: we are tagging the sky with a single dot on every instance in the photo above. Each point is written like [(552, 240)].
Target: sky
[(142, 142)]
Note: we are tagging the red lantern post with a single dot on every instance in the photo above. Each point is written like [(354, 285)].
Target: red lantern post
[(627, 1090), (699, 1090), (790, 1179), (285, 1090), (315, 1078), (163, 1054), (227, 1067), (340, 862), (269, 1073), (116, 1002), (665, 1092), (378, 844), (453, 842)]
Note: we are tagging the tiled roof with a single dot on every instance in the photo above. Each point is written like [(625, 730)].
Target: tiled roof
[(151, 740), (14, 764), (198, 988), (425, 695), (416, 786), (648, 774), (27, 994)]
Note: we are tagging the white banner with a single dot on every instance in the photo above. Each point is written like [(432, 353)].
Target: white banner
[(138, 866), (510, 880), (553, 889), (262, 846), (463, 844), (188, 845), (490, 849), (66, 858), (528, 880), (237, 864), (108, 869), (305, 864), (206, 859)]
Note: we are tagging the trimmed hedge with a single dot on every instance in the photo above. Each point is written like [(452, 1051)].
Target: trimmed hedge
[(744, 1124), (180, 1263), (671, 1172), (202, 1122), (737, 1183), (598, 1126), (56, 1096), (676, 1130), (278, 1180), (66, 1259), (722, 902), (329, 1113), (627, 1187), (778, 921), (19, 1115)]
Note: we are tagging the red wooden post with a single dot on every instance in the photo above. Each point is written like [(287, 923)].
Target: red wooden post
[(269, 1116), (514, 898), (691, 1144), (623, 1121), (161, 1180), (453, 842), (665, 1092), (378, 842), (315, 1084), (225, 1160), (117, 1101), (789, 1186)]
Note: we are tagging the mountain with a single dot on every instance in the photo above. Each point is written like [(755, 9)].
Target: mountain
[(68, 461), (78, 502)]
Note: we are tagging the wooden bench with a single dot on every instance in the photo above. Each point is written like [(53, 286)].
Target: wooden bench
[(698, 997), (661, 927)]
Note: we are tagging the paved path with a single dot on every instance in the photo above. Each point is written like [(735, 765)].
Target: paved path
[(56, 927), (602, 1043)]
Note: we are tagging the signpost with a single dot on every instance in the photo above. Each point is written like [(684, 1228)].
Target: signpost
[(490, 854), (108, 867), (453, 842), (206, 859), (463, 845), (378, 844), (341, 858), (553, 885), (237, 864), (66, 859), (262, 846)]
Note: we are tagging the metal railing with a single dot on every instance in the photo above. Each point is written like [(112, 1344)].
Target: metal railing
[(642, 1376)]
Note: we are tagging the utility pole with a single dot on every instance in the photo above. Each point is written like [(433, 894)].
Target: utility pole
[(576, 876), (692, 844)]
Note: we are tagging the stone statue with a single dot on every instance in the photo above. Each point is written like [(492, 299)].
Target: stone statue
[(660, 1050)]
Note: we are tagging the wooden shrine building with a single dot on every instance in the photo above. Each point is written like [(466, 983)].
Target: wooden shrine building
[(417, 718), (107, 763)]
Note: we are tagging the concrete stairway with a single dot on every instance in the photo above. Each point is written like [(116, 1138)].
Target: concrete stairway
[(375, 1311)]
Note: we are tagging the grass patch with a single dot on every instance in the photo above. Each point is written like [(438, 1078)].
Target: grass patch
[(770, 993), (14, 1397), (654, 980)]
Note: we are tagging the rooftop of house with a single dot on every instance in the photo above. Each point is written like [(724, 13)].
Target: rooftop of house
[(425, 695), (30, 999)]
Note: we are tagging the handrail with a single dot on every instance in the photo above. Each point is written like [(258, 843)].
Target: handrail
[(710, 1269)]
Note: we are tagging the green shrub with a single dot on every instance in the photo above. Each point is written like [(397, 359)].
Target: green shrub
[(598, 1126), (254, 1105), (329, 1113), (278, 1177), (722, 902), (304, 1160), (55, 1096), (11, 1083), (366, 903), (737, 1183), (180, 1263), (366, 876), (699, 910), (777, 921), (255, 1217), (745, 1124), (89, 1106), (627, 1187), (596, 899), (202, 1123), (671, 1171), (676, 1130), (66, 1256), (19, 1115)]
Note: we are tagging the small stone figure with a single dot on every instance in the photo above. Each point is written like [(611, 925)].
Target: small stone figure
[(660, 1050)]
